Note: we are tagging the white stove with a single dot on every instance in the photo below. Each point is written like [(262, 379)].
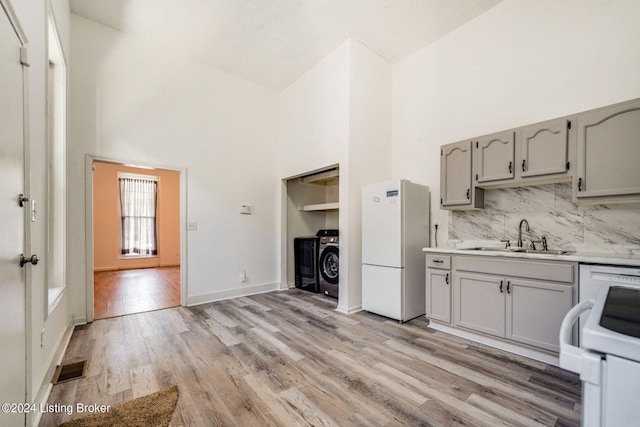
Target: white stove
[(608, 359)]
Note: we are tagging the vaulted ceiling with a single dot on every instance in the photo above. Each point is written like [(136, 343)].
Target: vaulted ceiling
[(273, 42)]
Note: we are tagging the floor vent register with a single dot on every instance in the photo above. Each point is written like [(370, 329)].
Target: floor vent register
[(69, 372)]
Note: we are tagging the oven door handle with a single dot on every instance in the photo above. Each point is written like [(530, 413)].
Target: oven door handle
[(570, 355)]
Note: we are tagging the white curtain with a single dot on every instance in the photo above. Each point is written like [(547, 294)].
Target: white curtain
[(138, 199)]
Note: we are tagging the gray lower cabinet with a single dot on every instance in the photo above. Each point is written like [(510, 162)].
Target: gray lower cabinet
[(438, 288), (479, 303), (490, 297), (608, 154), (535, 311)]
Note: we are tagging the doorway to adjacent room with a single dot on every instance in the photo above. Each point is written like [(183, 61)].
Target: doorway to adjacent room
[(136, 239)]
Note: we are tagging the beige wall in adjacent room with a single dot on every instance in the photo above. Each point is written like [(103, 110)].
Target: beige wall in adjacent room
[(106, 218)]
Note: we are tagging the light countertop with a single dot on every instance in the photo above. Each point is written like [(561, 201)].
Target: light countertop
[(629, 258)]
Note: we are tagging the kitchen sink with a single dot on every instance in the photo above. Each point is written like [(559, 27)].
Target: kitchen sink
[(521, 250), (548, 251), (492, 249)]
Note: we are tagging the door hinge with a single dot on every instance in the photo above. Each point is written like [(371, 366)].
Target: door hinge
[(441, 200), (568, 124), (568, 165), (476, 144), (442, 152), (24, 59), (476, 177)]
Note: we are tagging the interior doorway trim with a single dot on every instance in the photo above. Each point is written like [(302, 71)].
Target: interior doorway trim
[(89, 159)]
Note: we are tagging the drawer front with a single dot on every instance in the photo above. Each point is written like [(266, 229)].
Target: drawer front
[(439, 261), (556, 271)]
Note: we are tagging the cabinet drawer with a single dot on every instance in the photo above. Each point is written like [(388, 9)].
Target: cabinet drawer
[(439, 261), (556, 271)]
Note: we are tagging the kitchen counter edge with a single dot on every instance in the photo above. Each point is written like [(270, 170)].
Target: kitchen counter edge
[(581, 257)]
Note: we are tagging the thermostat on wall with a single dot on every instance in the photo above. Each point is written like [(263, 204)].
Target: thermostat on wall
[(245, 209)]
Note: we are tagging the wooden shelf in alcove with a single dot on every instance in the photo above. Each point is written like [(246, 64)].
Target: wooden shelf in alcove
[(331, 206)]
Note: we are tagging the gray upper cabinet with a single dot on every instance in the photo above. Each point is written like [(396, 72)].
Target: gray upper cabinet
[(598, 151), (608, 154), (544, 148), (495, 157), (456, 186)]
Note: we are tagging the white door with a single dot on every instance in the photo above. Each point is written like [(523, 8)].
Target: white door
[(12, 278), (382, 224)]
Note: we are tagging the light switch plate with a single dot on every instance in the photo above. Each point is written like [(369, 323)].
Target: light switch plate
[(245, 209), (192, 225)]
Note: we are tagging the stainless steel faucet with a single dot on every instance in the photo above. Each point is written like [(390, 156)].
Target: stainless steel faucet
[(524, 221)]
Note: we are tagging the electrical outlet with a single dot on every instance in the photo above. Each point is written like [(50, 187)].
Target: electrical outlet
[(192, 225), (243, 276)]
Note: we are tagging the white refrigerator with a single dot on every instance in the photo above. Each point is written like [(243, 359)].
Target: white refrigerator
[(395, 228)]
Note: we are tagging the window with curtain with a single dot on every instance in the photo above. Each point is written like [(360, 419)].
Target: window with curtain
[(138, 200)]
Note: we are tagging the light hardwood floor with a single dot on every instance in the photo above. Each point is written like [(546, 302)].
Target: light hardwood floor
[(289, 358), (121, 292)]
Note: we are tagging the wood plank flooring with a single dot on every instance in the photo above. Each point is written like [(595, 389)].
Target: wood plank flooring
[(289, 358), (121, 292)]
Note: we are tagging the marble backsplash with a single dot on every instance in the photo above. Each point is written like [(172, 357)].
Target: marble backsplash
[(550, 212)]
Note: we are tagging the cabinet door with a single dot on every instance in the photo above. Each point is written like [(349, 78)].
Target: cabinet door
[(535, 311), (438, 295), (544, 148), (608, 152), (495, 157), (480, 303), (455, 174)]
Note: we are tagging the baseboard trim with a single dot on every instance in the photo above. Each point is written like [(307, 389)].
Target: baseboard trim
[(45, 388), (231, 293), (100, 269), (349, 310), (539, 355), (80, 321)]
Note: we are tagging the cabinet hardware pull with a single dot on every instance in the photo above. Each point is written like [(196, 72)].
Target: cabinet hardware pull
[(510, 167), (446, 279), (579, 184), (438, 261), (501, 283), (523, 165), (508, 286), (468, 194)]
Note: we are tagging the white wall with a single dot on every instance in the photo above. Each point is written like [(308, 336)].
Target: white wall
[(339, 113), (369, 154), (135, 102), (314, 116), (519, 63), (56, 325)]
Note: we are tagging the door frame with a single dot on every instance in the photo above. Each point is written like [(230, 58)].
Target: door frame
[(89, 159)]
